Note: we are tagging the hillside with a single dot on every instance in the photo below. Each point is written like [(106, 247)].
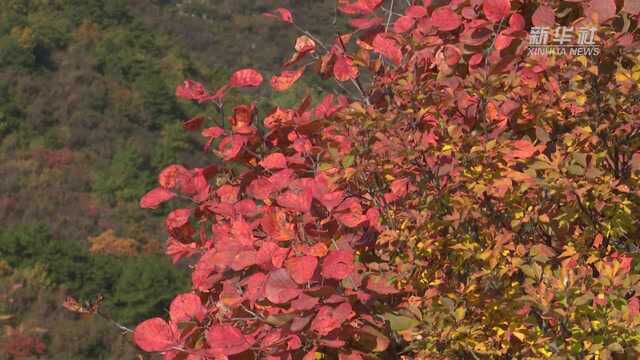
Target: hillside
[(87, 116)]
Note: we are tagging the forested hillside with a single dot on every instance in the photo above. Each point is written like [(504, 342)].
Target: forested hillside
[(87, 116)]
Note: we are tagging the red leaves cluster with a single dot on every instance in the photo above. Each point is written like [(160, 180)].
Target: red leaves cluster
[(265, 240)]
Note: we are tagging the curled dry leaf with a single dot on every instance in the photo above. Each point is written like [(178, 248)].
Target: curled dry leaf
[(286, 79)]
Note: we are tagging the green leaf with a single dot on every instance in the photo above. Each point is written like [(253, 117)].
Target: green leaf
[(348, 161), (400, 322)]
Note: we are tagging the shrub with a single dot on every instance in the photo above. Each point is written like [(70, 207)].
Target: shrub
[(466, 200)]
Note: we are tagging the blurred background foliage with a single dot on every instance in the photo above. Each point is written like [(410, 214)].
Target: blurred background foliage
[(87, 117)]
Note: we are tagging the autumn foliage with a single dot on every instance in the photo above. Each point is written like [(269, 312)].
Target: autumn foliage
[(455, 198)]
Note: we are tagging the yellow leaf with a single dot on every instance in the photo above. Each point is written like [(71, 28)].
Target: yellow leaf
[(582, 60), (520, 336), (459, 313), (622, 76)]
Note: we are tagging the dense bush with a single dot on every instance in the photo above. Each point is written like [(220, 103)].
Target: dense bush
[(467, 200)]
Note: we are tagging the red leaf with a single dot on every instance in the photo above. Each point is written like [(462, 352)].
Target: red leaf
[(228, 194), (213, 132), (177, 250), (343, 68), (155, 197), (495, 10), (380, 285), (171, 176), (388, 48), (260, 188), (350, 219), (242, 118), (373, 215), (503, 41), (255, 287), (287, 78), (329, 319), (516, 22), (177, 218), (325, 108), (294, 343), (317, 250), (403, 24), (186, 307), (279, 288), (179, 178), (359, 7), (301, 268), (281, 14), (475, 60), (279, 117), (264, 258), (452, 54), (230, 146), (305, 44), (243, 260), (445, 19), (296, 200), (246, 207), (544, 16), (193, 124), (330, 200), (601, 10), (272, 338), (230, 295), (397, 190), (245, 78), (155, 335), (227, 340), (191, 90), (365, 23), (416, 11), (279, 255), (522, 149), (338, 264), (202, 277), (633, 8), (274, 161), (304, 302)]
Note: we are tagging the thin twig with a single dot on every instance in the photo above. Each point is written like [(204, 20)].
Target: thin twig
[(115, 323), (486, 58), (386, 27), (356, 81)]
